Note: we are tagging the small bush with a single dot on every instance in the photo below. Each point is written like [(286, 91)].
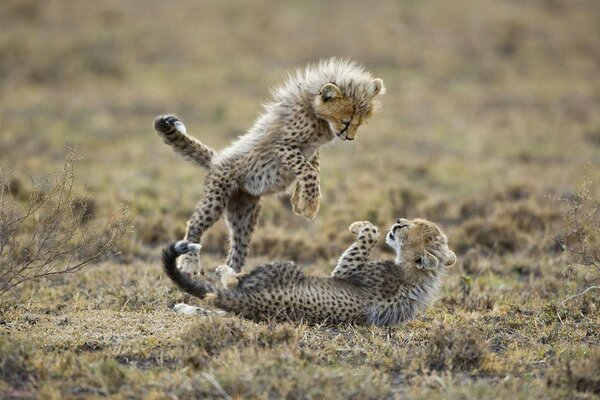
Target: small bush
[(208, 337), (459, 350), (580, 375), (580, 233), (50, 232), (501, 236), (15, 368)]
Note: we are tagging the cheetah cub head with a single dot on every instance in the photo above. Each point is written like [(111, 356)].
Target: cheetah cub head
[(420, 244), (346, 108)]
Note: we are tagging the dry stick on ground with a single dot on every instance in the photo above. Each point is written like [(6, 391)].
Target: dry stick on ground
[(50, 233), (580, 234)]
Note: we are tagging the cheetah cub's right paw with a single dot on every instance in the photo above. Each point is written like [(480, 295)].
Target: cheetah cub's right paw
[(364, 228), (166, 123)]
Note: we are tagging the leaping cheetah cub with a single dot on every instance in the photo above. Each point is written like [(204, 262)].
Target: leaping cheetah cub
[(328, 100), (383, 292)]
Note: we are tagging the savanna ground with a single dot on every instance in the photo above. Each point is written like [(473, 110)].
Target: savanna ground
[(492, 114)]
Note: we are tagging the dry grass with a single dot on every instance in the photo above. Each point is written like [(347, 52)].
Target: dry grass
[(491, 114)]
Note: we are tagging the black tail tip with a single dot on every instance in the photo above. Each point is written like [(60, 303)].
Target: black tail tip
[(166, 122), (182, 247)]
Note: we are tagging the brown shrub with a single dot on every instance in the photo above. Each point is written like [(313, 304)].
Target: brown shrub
[(580, 375), (153, 231), (528, 217), (15, 368), (276, 243), (580, 233), (458, 350), (49, 234), (501, 236), (208, 337), (404, 200), (484, 204)]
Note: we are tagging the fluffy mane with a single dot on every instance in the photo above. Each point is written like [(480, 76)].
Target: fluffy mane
[(350, 77)]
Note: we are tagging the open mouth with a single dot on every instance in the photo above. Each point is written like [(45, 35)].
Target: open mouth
[(391, 235)]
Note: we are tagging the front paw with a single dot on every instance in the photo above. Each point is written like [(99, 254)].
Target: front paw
[(365, 228), (295, 199), (308, 207), (356, 226), (189, 263)]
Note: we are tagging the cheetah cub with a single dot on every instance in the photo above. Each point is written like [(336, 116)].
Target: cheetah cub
[(383, 292), (328, 100)]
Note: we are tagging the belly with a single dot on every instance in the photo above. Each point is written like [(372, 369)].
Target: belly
[(302, 309), (267, 177)]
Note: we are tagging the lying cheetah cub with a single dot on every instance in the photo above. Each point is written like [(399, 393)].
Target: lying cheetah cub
[(325, 101), (383, 292)]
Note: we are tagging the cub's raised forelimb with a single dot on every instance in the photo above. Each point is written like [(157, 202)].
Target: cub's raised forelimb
[(356, 256)]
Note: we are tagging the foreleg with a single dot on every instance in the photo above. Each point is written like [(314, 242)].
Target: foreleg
[(308, 190), (295, 199), (355, 257)]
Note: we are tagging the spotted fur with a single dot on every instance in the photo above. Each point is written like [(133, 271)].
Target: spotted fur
[(324, 101), (384, 292)]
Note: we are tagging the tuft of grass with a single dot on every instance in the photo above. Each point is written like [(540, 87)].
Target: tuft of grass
[(459, 350), (580, 375)]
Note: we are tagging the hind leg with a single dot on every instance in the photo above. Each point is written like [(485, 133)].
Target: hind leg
[(217, 191), (242, 215), (229, 278), (183, 308)]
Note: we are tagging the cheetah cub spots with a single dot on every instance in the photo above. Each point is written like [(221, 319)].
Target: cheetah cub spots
[(382, 292), (281, 150)]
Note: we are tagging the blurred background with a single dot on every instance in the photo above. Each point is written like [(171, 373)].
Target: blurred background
[(492, 113), (483, 97)]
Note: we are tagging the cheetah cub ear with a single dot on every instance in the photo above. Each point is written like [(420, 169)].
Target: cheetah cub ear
[(330, 91), (378, 87), (427, 261), (443, 256)]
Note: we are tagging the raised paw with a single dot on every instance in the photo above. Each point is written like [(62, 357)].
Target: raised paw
[(364, 228), (308, 207), (189, 263), (166, 123)]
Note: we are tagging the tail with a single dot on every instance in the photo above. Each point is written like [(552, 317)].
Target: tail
[(174, 134), (185, 283)]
